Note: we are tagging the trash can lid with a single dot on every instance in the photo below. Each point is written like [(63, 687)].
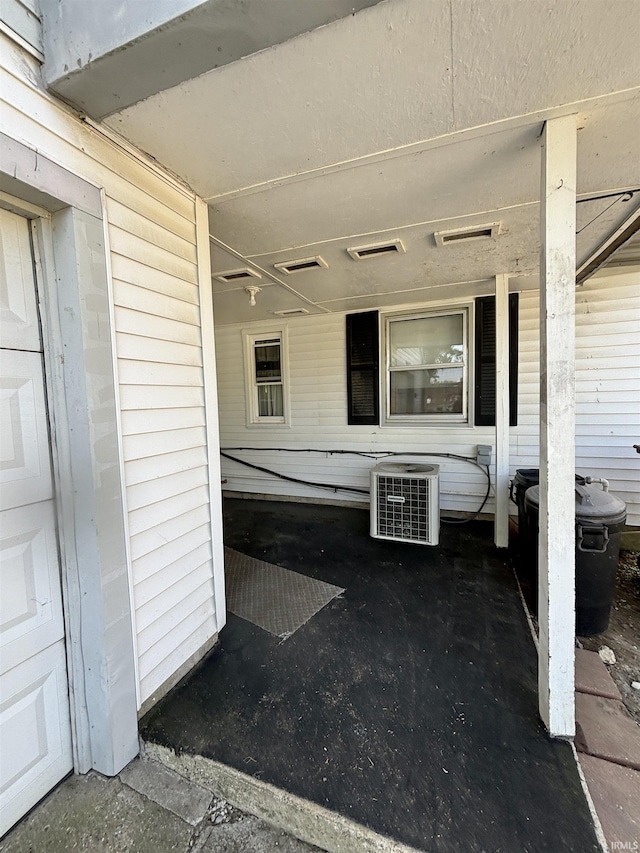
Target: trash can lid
[(527, 476), (531, 477), (592, 503)]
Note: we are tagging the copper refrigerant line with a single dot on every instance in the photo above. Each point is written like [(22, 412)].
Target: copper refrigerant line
[(376, 455)]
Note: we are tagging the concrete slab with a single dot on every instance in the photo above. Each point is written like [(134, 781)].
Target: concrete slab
[(304, 819), (249, 835), (168, 789), (93, 814), (96, 814), (605, 729), (615, 792), (592, 676)]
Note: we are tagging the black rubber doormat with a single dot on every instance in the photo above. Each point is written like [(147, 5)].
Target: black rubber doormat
[(273, 598)]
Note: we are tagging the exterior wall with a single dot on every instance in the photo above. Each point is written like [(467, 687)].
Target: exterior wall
[(318, 396), (22, 20), (608, 382), (156, 276), (607, 407)]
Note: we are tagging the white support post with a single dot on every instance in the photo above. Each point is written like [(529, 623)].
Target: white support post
[(556, 583), (211, 410), (501, 525)]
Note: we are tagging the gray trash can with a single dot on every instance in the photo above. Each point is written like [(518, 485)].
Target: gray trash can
[(599, 521)]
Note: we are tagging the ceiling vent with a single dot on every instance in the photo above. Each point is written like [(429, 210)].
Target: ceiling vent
[(461, 235), (374, 250), (236, 275), (289, 267), (291, 312)]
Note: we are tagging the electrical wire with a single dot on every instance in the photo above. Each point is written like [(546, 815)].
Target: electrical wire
[(477, 513), (329, 486), (619, 193), (602, 212), (376, 455)]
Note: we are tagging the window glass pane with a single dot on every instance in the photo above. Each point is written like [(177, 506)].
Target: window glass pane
[(426, 340), (270, 401), (267, 354), (426, 392)]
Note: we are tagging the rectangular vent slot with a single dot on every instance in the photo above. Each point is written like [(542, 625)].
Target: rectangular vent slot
[(289, 267), (459, 235), (359, 253), (291, 312), (306, 265), (236, 275), (470, 235), (378, 250)]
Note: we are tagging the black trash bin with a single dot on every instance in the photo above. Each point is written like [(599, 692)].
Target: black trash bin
[(599, 521), (523, 480)]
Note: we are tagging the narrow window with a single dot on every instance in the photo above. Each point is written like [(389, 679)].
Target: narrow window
[(268, 375), (266, 379)]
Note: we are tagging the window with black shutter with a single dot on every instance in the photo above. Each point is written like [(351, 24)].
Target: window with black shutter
[(362, 368), (485, 361)]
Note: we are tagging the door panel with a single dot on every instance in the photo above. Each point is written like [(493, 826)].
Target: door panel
[(35, 731), (25, 468), (19, 327), (35, 725), (30, 600)]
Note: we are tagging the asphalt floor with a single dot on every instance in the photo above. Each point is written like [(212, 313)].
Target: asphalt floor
[(408, 704)]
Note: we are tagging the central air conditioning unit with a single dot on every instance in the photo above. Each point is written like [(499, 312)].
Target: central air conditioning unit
[(405, 502)]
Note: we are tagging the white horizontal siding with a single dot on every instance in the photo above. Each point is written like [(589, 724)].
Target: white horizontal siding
[(607, 409), (155, 282), (163, 419), (23, 18), (192, 633), (608, 382), (171, 556)]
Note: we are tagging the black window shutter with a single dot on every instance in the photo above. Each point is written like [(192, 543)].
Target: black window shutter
[(362, 368), (485, 366), (514, 304)]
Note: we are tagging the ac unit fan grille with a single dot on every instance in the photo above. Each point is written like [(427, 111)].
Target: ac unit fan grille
[(403, 508), (405, 503)]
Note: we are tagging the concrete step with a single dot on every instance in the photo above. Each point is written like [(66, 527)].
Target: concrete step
[(299, 817)]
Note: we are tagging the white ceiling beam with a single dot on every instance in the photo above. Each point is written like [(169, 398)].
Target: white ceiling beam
[(511, 123)]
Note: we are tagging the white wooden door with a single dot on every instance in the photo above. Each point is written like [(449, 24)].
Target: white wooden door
[(35, 728)]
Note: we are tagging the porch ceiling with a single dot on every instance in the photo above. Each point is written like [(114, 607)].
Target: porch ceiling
[(402, 120)]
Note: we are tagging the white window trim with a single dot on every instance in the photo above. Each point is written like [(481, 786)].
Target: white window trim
[(253, 419), (436, 420)]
